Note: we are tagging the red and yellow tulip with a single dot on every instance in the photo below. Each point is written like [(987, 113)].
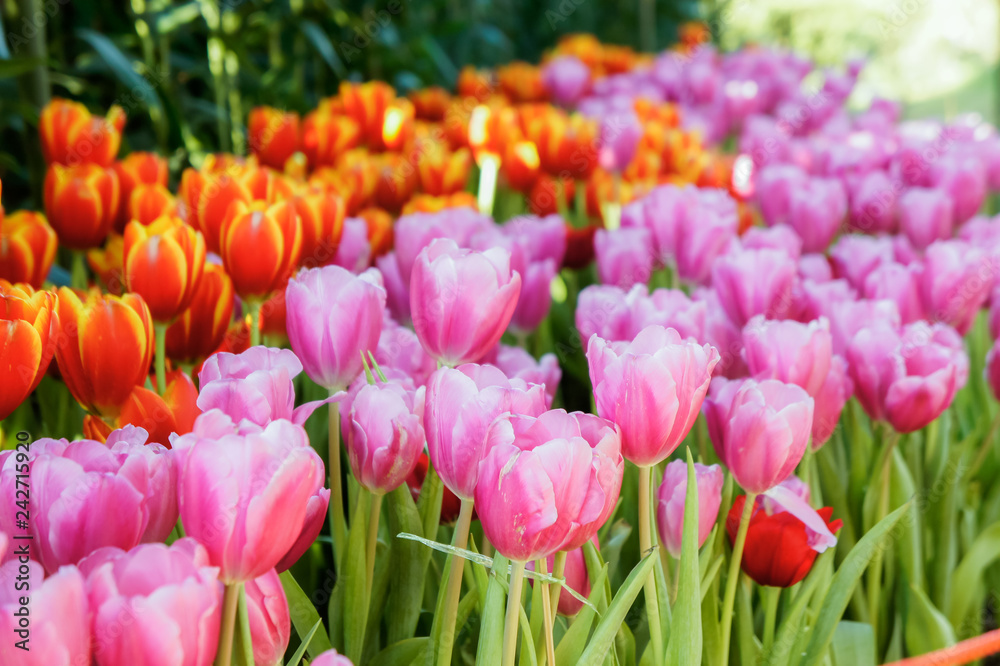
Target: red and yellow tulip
[(199, 330), (70, 135), (27, 247), (164, 263), (81, 203), (28, 327)]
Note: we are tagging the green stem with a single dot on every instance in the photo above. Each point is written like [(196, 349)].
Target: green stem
[(453, 592), (79, 274), (254, 307), (890, 437), (734, 573), (243, 622), (771, 596), (510, 624), (230, 600), (338, 524), (160, 331), (547, 614), (558, 569), (560, 191), (373, 520), (645, 543), (984, 448)]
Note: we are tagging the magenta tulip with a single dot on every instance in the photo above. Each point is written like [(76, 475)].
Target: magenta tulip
[(830, 401), (567, 79), (908, 389), (595, 488), (59, 616), (155, 605), (618, 316), (900, 284), (461, 300), (652, 388), (385, 435), (779, 237), (789, 351), (873, 204), (816, 212), (333, 318), (723, 334), (752, 282), (760, 430), (624, 256), (672, 497), (270, 622), (925, 216), (855, 256), (86, 495), (815, 267), (619, 139), (396, 287), (955, 283), (461, 403), (246, 495), (816, 299), (964, 179)]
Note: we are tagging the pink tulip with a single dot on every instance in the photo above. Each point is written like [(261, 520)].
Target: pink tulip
[(154, 604), (399, 349), (461, 300), (849, 317), (779, 237), (461, 403), (672, 498), (817, 211), (126, 482), (595, 490), (396, 287), (270, 622), (900, 284), (955, 283), (354, 251), (789, 351), (59, 616), (413, 233), (920, 333), (620, 135), (624, 256), (316, 511), (385, 435), (816, 299), (724, 335), (873, 204), (925, 216), (516, 363), (576, 577), (752, 282), (909, 390), (759, 429), (617, 315), (331, 658), (246, 496), (652, 388), (830, 401), (776, 185), (815, 267), (4, 542), (333, 318), (567, 79), (536, 295), (855, 256), (964, 179)]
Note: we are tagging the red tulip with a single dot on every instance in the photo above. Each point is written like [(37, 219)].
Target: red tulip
[(146, 203), (28, 325), (70, 135), (260, 247), (326, 136), (108, 263), (199, 330), (440, 170), (104, 348), (136, 169), (27, 247), (273, 135), (430, 103), (322, 217), (778, 551), (164, 264), (366, 104), (81, 203)]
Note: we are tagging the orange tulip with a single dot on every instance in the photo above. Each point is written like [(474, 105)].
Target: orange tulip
[(617, 59), (108, 263), (133, 170), (397, 126), (104, 348), (70, 135), (522, 82), (476, 83), (379, 229), (322, 217), (430, 103), (199, 330), (440, 170), (163, 264), (366, 103), (28, 327), (27, 247), (208, 195), (426, 203), (521, 165), (567, 146), (396, 183), (81, 203), (260, 247), (584, 46), (174, 412), (693, 33), (325, 136), (148, 202), (272, 135), (491, 129)]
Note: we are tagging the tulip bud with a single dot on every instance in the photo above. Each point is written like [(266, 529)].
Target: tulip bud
[(652, 388), (81, 203), (899, 284), (385, 435), (672, 497), (199, 330), (855, 256), (270, 621), (27, 248), (260, 246), (441, 171), (105, 347), (28, 332), (164, 264)]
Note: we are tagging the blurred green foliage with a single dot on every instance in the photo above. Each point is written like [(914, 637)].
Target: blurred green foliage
[(188, 72)]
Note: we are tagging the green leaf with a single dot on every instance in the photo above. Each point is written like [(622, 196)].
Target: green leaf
[(304, 644), (13, 67), (788, 631), (403, 652), (575, 639), (528, 658), (429, 503), (748, 646), (491, 627), (324, 47), (685, 631), (355, 609), (901, 490), (304, 614), (139, 88), (607, 628), (409, 567), (843, 583), (853, 644), (175, 17), (968, 576), (927, 629)]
